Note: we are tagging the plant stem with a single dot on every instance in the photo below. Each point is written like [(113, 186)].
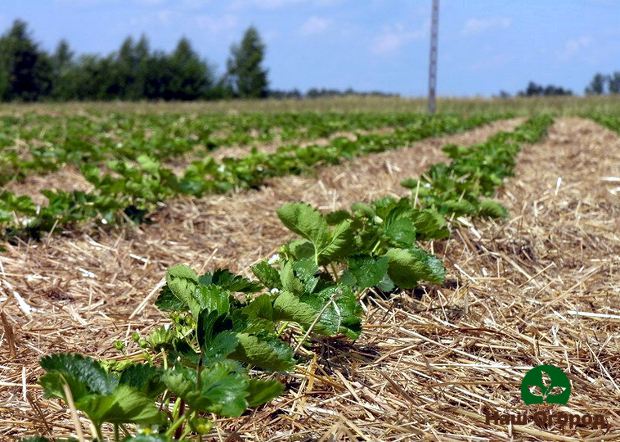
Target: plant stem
[(176, 424), (179, 432)]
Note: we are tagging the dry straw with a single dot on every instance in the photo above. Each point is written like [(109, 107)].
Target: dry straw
[(541, 287)]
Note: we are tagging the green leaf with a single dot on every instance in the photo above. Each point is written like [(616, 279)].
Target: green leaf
[(337, 306), (304, 220), (492, 209), (399, 227), (461, 207), (182, 282), (337, 217), (337, 245), (430, 224), (184, 285), (299, 249), (229, 281), (365, 271), (267, 275), (265, 352), (214, 334), (144, 378), (341, 311), (182, 271), (83, 375), (123, 405), (260, 307), (261, 391), (409, 266), (309, 223), (167, 302), (306, 269), (290, 282), (288, 307), (222, 390)]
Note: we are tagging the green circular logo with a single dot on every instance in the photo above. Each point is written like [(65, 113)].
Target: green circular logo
[(545, 384)]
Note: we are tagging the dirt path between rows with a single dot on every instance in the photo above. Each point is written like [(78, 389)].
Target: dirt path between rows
[(84, 289)]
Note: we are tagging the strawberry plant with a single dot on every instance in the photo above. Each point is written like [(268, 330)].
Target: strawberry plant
[(223, 325)]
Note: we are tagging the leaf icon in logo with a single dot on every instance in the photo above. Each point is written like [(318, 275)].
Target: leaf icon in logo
[(545, 384)]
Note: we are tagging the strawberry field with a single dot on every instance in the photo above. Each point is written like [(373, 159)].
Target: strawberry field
[(298, 274)]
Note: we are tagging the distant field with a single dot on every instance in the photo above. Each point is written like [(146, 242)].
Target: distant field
[(558, 105)]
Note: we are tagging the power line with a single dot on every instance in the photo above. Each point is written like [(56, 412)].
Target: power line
[(432, 65)]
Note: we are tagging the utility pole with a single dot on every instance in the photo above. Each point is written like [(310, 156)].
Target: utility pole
[(432, 65)]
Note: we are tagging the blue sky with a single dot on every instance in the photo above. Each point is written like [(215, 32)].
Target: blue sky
[(484, 45)]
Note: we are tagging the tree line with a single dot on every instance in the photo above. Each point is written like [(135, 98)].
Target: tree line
[(604, 84), (599, 85), (136, 72), (133, 72)]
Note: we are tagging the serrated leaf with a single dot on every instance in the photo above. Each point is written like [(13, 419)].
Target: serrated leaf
[(337, 306), (299, 249), (183, 283), (338, 245), (337, 217), (290, 282), (288, 307), (265, 352), (492, 209), (460, 207), (399, 228), (229, 281), (123, 405), (83, 375), (304, 220), (215, 338), (430, 224), (341, 311), (306, 269), (143, 378), (365, 272), (167, 302), (222, 390), (409, 266), (263, 391), (267, 275)]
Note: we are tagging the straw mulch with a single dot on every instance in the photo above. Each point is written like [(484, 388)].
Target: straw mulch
[(521, 293)]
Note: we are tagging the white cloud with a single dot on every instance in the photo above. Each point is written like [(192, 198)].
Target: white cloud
[(315, 25), (277, 4), (216, 25), (393, 38), (573, 47), (479, 25)]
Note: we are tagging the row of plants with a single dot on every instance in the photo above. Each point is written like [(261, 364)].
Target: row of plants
[(230, 339), (134, 189), (34, 143), (609, 120)]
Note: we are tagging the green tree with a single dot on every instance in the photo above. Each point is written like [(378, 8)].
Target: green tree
[(27, 70), (95, 78), (191, 77), (63, 70), (614, 83), (131, 62), (597, 85), (245, 73)]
